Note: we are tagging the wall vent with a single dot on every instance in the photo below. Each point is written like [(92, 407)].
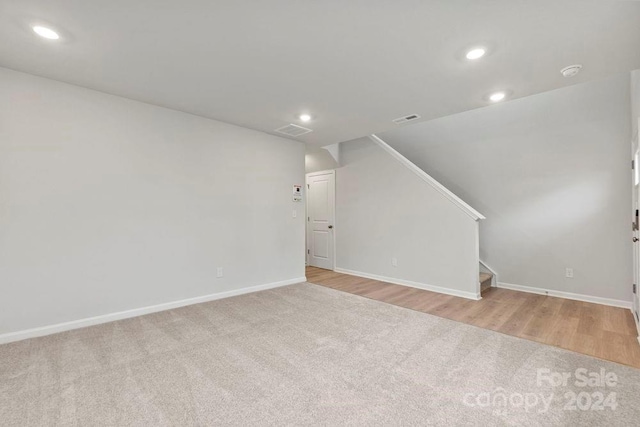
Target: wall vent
[(293, 130), (405, 119)]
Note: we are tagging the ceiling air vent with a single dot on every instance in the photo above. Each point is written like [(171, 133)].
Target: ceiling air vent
[(405, 119), (293, 130)]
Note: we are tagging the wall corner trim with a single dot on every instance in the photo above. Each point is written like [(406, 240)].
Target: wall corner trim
[(567, 295), (111, 317), (474, 214)]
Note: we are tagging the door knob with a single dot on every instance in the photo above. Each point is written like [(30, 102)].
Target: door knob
[(331, 226)]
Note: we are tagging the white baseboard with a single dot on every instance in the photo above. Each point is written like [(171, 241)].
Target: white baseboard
[(424, 286), (90, 321), (567, 295)]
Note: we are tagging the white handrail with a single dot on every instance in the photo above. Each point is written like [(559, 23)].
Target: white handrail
[(428, 179)]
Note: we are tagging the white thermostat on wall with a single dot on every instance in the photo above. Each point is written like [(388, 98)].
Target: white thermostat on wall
[(297, 193)]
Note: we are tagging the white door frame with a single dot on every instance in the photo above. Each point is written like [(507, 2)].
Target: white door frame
[(307, 231), (635, 185)]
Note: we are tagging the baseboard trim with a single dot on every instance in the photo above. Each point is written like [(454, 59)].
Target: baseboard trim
[(105, 318), (567, 295), (423, 286)]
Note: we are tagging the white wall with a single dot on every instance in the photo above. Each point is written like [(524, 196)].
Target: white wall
[(551, 173), (318, 159), (383, 211), (107, 204)]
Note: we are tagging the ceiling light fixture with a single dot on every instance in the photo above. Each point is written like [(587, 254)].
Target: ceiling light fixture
[(45, 32), (571, 70), (476, 53), (497, 96), (304, 117)]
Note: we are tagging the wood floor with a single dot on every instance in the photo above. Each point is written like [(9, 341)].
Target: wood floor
[(597, 330)]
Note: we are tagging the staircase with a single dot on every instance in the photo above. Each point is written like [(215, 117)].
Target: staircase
[(485, 282)]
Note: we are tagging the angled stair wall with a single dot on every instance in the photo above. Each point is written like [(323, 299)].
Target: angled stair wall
[(396, 223)]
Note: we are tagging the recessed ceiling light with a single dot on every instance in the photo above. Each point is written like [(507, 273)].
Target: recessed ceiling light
[(497, 96), (571, 70), (304, 117), (45, 32), (476, 53)]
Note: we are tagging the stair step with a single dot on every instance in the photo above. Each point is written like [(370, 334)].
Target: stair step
[(485, 281)]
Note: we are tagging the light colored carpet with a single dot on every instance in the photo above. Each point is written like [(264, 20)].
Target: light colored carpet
[(297, 355)]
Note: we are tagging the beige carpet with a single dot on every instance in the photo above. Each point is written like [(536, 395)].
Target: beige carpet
[(302, 354)]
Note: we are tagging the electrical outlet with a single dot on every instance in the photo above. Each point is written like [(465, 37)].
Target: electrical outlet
[(569, 273), (394, 262), (220, 272)]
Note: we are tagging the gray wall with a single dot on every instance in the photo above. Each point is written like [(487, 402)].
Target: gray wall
[(318, 159), (385, 211), (551, 173), (107, 204)]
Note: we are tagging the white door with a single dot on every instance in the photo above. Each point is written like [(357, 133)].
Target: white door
[(321, 219)]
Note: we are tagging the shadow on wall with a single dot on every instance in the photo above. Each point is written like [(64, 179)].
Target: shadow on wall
[(318, 159)]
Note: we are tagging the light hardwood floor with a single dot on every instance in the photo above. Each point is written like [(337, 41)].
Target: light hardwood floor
[(597, 330)]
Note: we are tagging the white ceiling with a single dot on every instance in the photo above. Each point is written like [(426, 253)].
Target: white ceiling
[(354, 65)]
